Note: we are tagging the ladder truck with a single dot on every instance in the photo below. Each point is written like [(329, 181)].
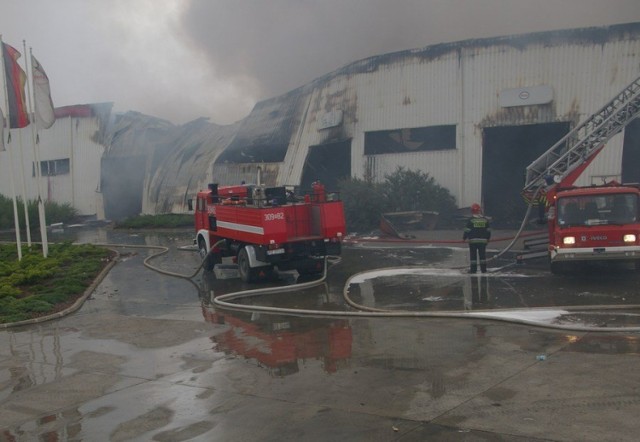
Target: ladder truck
[(592, 223), (261, 228)]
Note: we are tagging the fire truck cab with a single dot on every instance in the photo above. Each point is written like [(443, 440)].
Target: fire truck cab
[(597, 223), (262, 227)]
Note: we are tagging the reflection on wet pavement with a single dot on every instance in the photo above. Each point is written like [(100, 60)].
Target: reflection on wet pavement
[(282, 344), (149, 358)]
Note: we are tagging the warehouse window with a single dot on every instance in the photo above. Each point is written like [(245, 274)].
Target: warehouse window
[(410, 140), (52, 167)]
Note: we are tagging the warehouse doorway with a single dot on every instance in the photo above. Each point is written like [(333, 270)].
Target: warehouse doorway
[(507, 151), (328, 163), (631, 153)]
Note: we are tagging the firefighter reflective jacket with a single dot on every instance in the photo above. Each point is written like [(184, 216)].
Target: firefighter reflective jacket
[(477, 230)]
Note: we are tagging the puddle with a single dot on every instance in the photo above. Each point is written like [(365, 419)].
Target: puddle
[(600, 319)]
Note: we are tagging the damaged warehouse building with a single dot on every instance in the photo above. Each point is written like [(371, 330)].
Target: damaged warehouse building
[(472, 114)]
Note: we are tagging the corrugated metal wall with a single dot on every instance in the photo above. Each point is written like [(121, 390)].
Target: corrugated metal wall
[(459, 84), (583, 77), (409, 94), (179, 175)]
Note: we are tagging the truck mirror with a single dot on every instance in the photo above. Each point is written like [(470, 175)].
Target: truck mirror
[(190, 204)]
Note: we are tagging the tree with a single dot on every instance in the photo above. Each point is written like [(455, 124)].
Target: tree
[(403, 190), (363, 201)]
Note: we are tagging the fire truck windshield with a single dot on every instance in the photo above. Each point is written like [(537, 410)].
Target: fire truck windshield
[(592, 210)]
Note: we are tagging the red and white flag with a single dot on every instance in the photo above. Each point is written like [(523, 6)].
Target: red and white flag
[(45, 116), (15, 81)]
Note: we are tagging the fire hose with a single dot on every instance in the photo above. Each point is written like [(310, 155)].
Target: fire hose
[(514, 316), (225, 301)]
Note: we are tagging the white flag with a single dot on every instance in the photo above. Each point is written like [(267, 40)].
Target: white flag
[(42, 96)]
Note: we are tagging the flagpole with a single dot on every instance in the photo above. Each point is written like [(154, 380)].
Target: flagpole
[(16, 222), (25, 198), (24, 191), (38, 167)]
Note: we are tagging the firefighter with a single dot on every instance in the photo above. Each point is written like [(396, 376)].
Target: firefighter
[(477, 232)]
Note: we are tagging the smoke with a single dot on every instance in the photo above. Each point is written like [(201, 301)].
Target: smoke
[(275, 46), (185, 59)]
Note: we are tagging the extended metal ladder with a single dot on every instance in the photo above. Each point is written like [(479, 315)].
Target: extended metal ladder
[(578, 145)]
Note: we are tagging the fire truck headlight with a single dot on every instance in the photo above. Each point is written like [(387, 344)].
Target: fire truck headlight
[(629, 237), (569, 240)]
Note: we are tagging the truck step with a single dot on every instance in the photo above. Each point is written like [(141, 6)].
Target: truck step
[(531, 255), (536, 243)]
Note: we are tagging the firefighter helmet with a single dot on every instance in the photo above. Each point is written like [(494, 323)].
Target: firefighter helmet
[(475, 208)]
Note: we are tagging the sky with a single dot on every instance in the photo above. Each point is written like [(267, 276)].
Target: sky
[(184, 59)]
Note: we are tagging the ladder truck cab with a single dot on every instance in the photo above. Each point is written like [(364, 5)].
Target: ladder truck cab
[(262, 227), (592, 223)]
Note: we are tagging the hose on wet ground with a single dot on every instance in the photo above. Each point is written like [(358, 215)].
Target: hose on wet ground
[(226, 301)]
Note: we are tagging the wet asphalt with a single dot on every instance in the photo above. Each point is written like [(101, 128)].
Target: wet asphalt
[(149, 357)]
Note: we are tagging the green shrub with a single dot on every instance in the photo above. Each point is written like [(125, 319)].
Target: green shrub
[(409, 190), (59, 296), (7, 290), (37, 285), (403, 190), (55, 213), (5, 268), (33, 304), (363, 203), (10, 312), (169, 220)]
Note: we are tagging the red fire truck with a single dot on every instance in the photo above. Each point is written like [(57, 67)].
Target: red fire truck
[(265, 227), (592, 223)]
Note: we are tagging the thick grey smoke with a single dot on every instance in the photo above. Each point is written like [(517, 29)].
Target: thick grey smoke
[(277, 45), (184, 59)]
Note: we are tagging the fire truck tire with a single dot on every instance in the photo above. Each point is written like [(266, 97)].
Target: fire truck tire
[(209, 259), (247, 274)]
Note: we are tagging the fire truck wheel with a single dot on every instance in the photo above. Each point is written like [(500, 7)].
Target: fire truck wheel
[(208, 257), (247, 274)]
